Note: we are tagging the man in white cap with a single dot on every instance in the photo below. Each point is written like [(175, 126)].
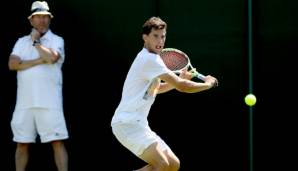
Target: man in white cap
[(38, 59)]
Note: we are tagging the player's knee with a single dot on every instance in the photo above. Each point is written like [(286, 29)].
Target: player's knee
[(57, 145), (22, 150), (170, 166), (163, 165), (174, 165), (23, 146)]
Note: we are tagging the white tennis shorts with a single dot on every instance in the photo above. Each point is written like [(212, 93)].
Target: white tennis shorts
[(49, 124), (136, 137)]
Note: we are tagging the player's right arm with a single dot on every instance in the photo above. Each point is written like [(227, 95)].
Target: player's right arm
[(15, 63), (185, 85)]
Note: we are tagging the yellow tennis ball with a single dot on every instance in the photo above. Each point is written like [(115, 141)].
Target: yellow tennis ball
[(250, 99)]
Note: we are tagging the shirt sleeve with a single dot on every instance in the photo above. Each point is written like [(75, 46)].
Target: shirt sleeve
[(58, 46), (17, 49), (154, 67)]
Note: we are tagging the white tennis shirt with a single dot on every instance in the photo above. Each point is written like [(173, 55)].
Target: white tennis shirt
[(140, 88), (41, 85)]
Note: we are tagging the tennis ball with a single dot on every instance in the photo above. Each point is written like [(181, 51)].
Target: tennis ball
[(250, 99)]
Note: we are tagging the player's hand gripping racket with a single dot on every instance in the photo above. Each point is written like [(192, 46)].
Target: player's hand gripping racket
[(176, 61)]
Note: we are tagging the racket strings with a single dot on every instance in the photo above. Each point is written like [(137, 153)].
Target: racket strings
[(174, 60)]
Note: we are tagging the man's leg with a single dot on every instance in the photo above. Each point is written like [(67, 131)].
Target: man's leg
[(61, 156), (173, 160), (156, 159), (159, 160), (145, 168), (22, 156)]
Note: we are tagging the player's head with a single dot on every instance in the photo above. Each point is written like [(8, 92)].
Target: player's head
[(155, 23), (40, 8), (154, 34), (40, 17)]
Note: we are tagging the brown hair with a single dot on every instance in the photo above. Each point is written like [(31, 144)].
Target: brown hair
[(155, 23)]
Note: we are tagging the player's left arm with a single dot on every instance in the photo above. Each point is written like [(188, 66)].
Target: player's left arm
[(165, 87)]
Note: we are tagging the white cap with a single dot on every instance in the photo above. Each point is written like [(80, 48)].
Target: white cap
[(40, 8)]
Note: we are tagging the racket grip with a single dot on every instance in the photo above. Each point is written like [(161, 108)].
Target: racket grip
[(200, 76)]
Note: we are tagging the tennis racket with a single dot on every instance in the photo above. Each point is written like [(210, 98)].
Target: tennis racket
[(176, 60)]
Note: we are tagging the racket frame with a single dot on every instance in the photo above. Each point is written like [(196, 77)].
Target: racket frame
[(189, 65)]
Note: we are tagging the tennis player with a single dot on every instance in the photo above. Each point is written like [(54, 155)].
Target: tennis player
[(147, 77)]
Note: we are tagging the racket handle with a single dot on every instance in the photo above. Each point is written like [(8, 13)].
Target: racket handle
[(199, 76)]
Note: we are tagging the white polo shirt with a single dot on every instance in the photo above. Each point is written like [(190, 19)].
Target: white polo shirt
[(140, 87), (41, 85)]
